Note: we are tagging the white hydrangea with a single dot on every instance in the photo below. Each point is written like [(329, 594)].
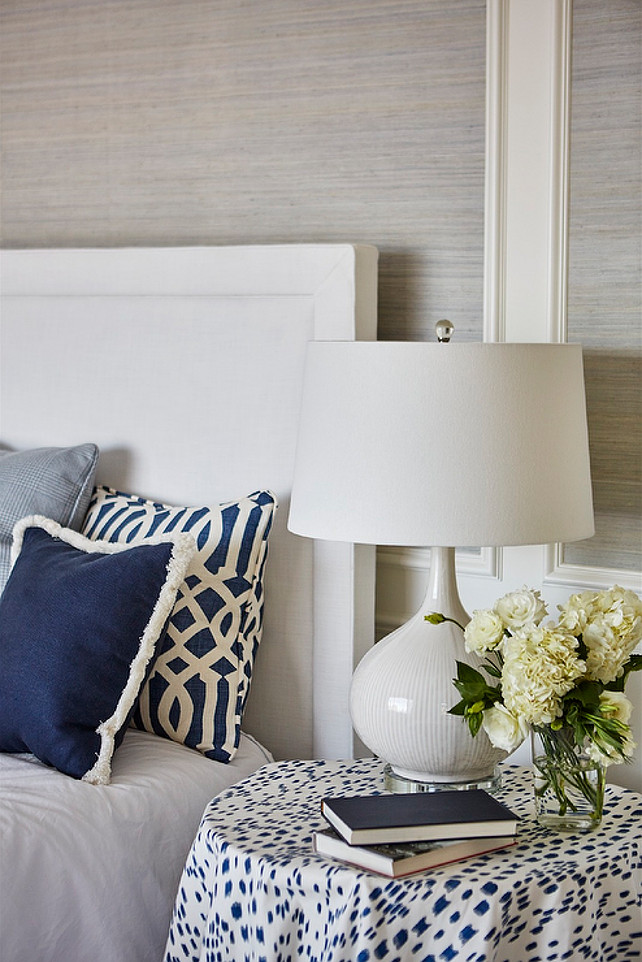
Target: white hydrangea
[(540, 666), (606, 655), (574, 614), (610, 623), (520, 608), (504, 729), (484, 631)]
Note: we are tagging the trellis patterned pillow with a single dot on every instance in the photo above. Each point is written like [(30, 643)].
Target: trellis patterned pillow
[(200, 680)]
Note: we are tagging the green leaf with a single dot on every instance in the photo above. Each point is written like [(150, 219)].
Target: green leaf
[(587, 693), (458, 709), (582, 650), (469, 683), (470, 693), (466, 673), (633, 664), (492, 670), (476, 695)]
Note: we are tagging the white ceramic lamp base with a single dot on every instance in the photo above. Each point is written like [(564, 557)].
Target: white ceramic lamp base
[(402, 690)]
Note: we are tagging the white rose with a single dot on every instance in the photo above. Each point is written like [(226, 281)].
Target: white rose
[(609, 755), (615, 704), (484, 631), (503, 728), (519, 608)]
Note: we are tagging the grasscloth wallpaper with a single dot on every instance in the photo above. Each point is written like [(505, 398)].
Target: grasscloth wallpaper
[(161, 122), (239, 121), (605, 267)]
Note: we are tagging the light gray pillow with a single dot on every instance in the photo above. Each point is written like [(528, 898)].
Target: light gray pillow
[(54, 482)]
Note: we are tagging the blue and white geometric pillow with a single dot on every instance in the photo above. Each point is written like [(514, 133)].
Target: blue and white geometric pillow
[(200, 680)]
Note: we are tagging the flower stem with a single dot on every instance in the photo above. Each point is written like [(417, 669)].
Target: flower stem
[(561, 769), (436, 618)]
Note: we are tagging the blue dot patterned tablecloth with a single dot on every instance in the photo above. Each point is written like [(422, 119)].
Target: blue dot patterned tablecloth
[(254, 890)]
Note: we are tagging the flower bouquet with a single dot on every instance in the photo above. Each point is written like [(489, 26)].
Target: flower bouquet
[(562, 682)]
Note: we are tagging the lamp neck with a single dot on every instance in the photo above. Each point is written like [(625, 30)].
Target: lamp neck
[(442, 594)]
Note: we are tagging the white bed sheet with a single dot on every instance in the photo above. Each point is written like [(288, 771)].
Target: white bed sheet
[(90, 872)]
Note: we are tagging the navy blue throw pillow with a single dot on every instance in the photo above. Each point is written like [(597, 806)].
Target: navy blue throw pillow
[(79, 624)]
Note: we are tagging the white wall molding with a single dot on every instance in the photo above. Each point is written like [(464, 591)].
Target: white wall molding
[(533, 70), (561, 56), (404, 572), (494, 320), (527, 198), (558, 572), (486, 564)]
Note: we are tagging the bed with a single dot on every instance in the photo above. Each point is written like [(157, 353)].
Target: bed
[(176, 375)]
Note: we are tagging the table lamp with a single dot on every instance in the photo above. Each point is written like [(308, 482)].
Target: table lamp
[(443, 445)]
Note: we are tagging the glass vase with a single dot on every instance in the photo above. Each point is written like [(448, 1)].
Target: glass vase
[(569, 785)]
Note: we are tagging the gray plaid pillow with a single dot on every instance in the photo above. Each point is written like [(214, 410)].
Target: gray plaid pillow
[(54, 482)]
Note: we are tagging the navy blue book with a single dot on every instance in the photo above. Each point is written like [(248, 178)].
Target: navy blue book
[(425, 816)]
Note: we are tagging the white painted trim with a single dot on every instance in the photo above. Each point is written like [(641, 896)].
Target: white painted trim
[(494, 321), (532, 73), (415, 563), (561, 55), (487, 564), (560, 573), (557, 571), (521, 183), (494, 317)]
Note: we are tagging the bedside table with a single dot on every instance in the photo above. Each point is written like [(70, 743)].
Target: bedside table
[(254, 890)]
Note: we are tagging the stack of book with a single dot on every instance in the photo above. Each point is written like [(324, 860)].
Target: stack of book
[(397, 835)]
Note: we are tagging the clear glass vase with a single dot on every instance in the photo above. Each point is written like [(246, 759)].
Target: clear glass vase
[(569, 785)]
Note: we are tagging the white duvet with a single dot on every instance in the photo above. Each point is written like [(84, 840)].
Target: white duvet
[(88, 873)]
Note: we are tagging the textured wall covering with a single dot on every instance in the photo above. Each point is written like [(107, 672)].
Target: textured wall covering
[(605, 267), (236, 121)]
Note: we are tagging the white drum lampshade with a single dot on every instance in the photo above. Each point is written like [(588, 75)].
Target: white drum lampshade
[(445, 445)]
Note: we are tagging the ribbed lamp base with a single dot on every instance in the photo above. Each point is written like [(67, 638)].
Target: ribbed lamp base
[(403, 688)]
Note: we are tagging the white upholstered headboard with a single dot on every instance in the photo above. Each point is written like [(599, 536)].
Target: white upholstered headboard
[(185, 366)]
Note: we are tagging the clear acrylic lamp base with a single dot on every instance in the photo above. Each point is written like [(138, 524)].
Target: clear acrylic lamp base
[(401, 692), (407, 786)]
